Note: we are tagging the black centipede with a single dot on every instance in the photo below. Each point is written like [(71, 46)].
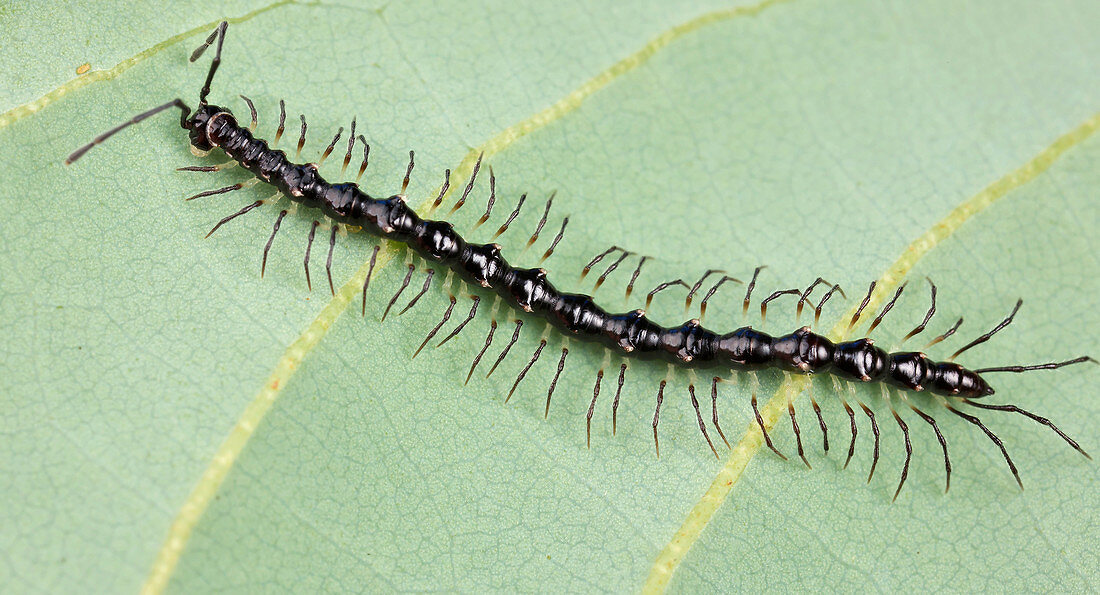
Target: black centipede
[(577, 315)]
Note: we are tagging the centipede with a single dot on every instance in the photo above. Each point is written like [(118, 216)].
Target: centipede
[(631, 336)]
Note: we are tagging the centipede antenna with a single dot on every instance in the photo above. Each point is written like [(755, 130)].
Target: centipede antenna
[(657, 415), (523, 372), (469, 185), (634, 276), (255, 117), (887, 308), (714, 409), (588, 267), (462, 325), (282, 123), (1050, 366), (862, 305), (370, 271), (927, 317), (706, 298), (855, 432), (423, 290), (511, 218), (874, 430), (592, 409), (662, 287), (974, 420), (267, 247), (220, 34), (797, 433), (488, 342), (301, 138), (1042, 420), (492, 199), (764, 430), (229, 188), (943, 442), (610, 268), (752, 285), (542, 222), (351, 145), (309, 246), (554, 244), (446, 317), (404, 284), (821, 422), (908, 452), (328, 261), (507, 348), (950, 331), (615, 403), (443, 189), (764, 304), (366, 159), (178, 103), (699, 418), (821, 304), (554, 382), (234, 216), (985, 337)]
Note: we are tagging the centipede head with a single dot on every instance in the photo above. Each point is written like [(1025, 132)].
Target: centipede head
[(198, 128)]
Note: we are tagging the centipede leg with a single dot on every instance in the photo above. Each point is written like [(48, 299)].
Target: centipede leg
[(927, 317), (634, 276), (943, 443), (855, 432), (763, 429), (697, 285), (523, 372), (332, 145), (554, 244), (309, 246), (443, 189), (1042, 420), (234, 216), (764, 304), (797, 433), (711, 291), (404, 284), (887, 308), (805, 294), (351, 145), (488, 342), (662, 287), (609, 270), (370, 271), (615, 403), (366, 159), (511, 218), (863, 304), (267, 247), (714, 409), (588, 267), (542, 222), (699, 418), (301, 138), (469, 185), (592, 409), (874, 430), (328, 261), (507, 348), (821, 422), (908, 452), (821, 304), (752, 285), (462, 325), (974, 420), (554, 382), (423, 290), (446, 317), (282, 123), (982, 339), (657, 415), (488, 205)]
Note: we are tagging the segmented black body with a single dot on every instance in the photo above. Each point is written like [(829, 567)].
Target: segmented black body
[(577, 315)]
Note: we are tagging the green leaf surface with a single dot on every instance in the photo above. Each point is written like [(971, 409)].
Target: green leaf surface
[(170, 419)]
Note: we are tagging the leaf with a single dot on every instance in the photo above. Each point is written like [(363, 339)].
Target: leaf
[(170, 418)]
